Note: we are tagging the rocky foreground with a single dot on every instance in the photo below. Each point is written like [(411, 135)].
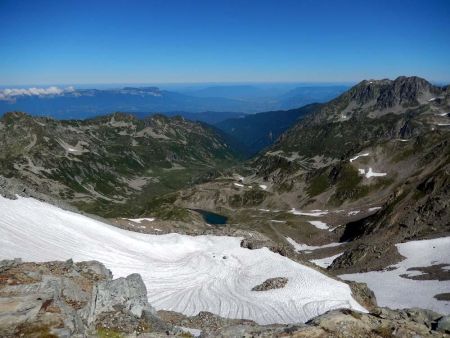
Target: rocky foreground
[(67, 299)]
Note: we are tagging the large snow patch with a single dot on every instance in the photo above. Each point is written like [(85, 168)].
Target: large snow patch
[(182, 273), (398, 292)]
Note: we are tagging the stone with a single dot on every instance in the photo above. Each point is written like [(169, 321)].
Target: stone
[(443, 324), (130, 292), (271, 283)]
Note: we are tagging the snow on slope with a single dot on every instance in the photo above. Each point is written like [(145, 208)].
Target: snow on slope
[(304, 247), (313, 213), (326, 261), (140, 220), (182, 273), (319, 225), (358, 156), (395, 291)]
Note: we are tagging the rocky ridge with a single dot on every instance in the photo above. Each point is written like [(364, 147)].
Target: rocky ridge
[(61, 299), (112, 163), (72, 299)]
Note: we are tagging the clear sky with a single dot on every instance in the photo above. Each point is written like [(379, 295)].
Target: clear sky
[(70, 42)]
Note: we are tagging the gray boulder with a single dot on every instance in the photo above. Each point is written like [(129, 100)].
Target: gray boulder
[(443, 324), (127, 293)]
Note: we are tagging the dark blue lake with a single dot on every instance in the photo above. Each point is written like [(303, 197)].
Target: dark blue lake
[(211, 217)]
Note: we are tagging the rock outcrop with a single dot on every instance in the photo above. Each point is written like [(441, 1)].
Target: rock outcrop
[(271, 283), (72, 299), (67, 299)]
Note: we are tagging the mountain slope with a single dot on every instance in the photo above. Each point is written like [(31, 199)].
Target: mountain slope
[(370, 167), (258, 131), (105, 163), (383, 143)]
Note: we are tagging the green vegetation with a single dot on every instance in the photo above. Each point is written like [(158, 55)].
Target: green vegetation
[(349, 187), (34, 331), (318, 185), (119, 162), (103, 332), (338, 139), (249, 198)]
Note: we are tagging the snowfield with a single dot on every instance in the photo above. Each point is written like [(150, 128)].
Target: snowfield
[(398, 292), (304, 247), (139, 220), (358, 156), (370, 173), (319, 225), (182, 273), (313, 213), (326, 261)]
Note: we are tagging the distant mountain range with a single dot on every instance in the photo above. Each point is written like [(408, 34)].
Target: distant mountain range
[(215, 103)]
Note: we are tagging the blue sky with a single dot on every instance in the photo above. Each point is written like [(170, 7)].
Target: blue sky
[(71, 42)]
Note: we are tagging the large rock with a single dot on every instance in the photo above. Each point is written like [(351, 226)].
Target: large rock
[(71, 299), (127, 293), (443, 324)]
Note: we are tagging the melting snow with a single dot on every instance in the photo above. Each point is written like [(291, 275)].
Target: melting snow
[(263, 186), (139, 220), (314, 213), (398, 292), (304, 247), (326, 262), (370, 173), (319, 225), (358, 156), (332, 229), (182, 273), (353, 212), (238, 185), (277, 221), (373, 209)]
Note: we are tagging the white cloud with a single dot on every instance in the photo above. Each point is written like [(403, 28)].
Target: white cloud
[(9, 94)]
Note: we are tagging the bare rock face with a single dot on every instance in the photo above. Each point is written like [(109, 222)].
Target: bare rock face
[(71, 299), (363, 295), (127, 293), (271, 283)]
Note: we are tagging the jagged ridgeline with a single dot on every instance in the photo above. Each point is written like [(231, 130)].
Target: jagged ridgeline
[(111, 164), (400, 117)]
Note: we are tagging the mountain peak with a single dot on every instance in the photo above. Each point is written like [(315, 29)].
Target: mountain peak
[(379, 97)]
